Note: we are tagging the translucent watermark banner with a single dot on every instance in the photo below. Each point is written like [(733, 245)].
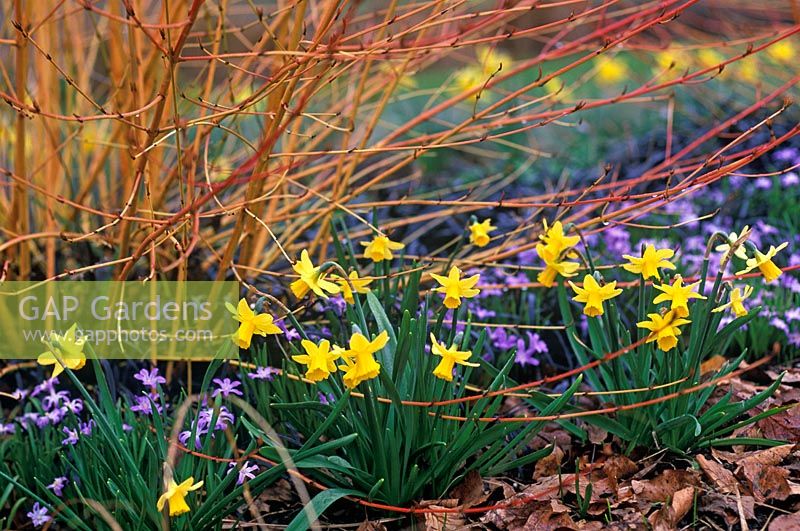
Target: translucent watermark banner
[(118, 320)]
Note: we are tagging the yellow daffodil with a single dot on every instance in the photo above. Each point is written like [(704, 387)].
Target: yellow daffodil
[(319, 359), (664, 329), (479, 232), (556, 240), (360, 364), (176, 496), (380, 248), (740, 251), (737, 297), (764, 263), (553, 266), (666, 59), (69, 350), (251, 323), (359, 284), (489, 63), (748, 69), (593, 295), (611, 70), (450, 356), (454, 287), (311, 278), (678, 294), (709, 57), (782, 51), (649, 263)]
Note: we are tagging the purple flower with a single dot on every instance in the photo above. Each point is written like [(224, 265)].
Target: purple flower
[(790, 179), (325, 399), (793, 314), (74, 405), (501, 339), (45, 386), (55, 416), (145, 406), (525, 354), (224, 418), (226, 387), (245, 472), (58, 484), (38, 515), (86, 427), (126, 427), (794, 339), (7, 429), (19, 394), (150, 378), (54, 399), (618, 240), (786, 154), (780, 324), (291, 334), (29, 418), (763, 183), (263, 373), (183, 437), (72, 437)]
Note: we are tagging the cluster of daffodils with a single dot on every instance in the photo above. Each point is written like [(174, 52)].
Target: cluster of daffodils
[(489, 62), (555, 249), (664, 326)]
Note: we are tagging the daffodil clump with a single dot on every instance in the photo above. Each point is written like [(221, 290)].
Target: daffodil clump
[(677, 326)]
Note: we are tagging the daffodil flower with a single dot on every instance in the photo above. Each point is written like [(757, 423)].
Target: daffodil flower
[(450, 356), (69, 350), (649, 263), (319, 359), (611, 70), (176, 496), (311, 278), (251, 323), (359, 284), (782, 51), (737, 297), (555, 239), (359, 362), (380, 248), (454, 288), (764, 263), (554, 266), (593, 295), (724, 248), (664, 329), (678, 295), (479, 232)]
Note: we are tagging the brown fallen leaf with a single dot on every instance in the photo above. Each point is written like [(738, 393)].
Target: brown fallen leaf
[(712, 364), (470, 491), (549, 465), (534, 516), (663, 487), (767, 482), (725, 506), (368, 525), (722, 478), (768, 456), (618, 467), (442, 521), (785, 522), (785, 426), (667, 518)]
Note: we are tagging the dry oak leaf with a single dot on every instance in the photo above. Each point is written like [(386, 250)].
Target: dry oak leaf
[(618, 467), (725, 506), (443, 521), (723, 479), (549, 465), (667, 518), (767, 482), (470, 491), (785, 522), (768, 456), (664, 486)]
